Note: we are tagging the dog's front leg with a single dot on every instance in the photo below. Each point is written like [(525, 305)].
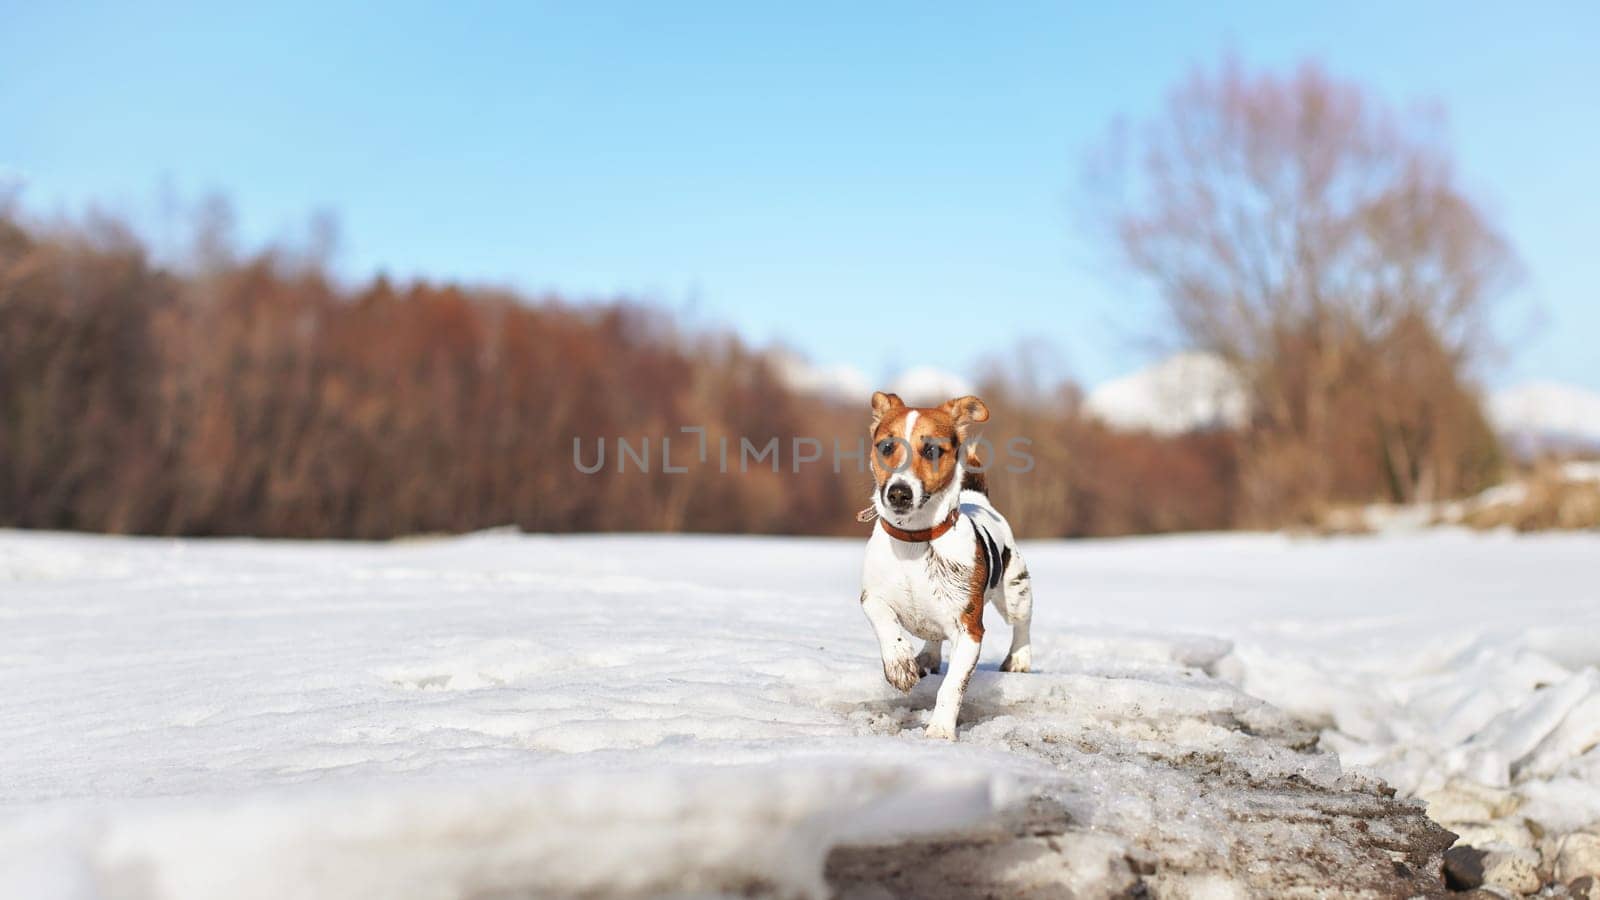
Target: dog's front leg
[(899, 662), (963, 659)]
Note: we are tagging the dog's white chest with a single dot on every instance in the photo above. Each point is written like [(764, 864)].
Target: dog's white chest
[(927, 587)]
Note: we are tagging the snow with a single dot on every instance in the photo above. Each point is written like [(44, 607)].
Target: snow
[(841, 382), (500, 713), (1543, 412), (473, 836), (1581, 471), (930, 386), (922, 385), (1186, 392)]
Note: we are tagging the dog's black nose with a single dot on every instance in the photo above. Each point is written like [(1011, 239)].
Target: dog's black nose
[(899, 495)]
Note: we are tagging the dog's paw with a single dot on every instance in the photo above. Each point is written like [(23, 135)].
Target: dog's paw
[(945, 731), (928, 663), (902, 672), (1020, 661)]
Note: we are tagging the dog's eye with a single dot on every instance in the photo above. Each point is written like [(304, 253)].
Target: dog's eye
[(931, 451), (886, 448)]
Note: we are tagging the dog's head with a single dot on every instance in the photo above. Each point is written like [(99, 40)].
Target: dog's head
[(916, 456)]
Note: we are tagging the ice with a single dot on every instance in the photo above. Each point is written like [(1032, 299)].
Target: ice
[(1489, 756), (501, 713), (455, 835), (1575, 734)]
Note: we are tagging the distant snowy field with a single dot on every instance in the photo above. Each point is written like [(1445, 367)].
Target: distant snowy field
[(500, 713)]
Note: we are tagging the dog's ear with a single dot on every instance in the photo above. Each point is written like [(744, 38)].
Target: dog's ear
[(883, 404), (967, 411)]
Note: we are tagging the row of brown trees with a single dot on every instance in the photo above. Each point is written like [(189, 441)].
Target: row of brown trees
[(257, 397)]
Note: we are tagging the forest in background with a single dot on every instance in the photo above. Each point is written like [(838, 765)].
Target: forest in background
[(1308, 237), (255, 396)]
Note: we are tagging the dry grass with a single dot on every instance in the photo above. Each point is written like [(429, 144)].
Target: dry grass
[(1550, 499), (1552, 495)]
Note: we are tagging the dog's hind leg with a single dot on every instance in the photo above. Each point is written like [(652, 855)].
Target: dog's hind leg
[(1017, 595), (928, 660)]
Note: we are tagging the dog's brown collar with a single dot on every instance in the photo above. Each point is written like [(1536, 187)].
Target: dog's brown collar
[(922, 535)]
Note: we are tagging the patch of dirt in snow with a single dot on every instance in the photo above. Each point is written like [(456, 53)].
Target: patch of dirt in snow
[(1213, 794)]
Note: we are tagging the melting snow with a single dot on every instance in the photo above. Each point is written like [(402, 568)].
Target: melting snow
[(499, 713)]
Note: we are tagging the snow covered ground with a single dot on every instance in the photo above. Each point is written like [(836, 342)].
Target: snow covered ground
[(499, 714)]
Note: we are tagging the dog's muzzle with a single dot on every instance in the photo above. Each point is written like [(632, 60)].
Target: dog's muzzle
[(898, 496)]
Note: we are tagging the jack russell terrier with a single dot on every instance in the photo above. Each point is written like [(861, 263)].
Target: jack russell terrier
[(940, 551)]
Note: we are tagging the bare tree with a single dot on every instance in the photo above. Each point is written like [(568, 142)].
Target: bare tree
[(1312, 237)]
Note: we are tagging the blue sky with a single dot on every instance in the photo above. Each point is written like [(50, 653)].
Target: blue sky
[(824, 175)]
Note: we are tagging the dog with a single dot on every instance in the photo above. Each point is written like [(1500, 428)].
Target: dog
[(940, 550)]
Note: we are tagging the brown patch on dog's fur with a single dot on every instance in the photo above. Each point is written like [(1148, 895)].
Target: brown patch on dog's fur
[(932, 427), (968, 581), (883, 404), (965, 412), (977, 580), (945, 427)]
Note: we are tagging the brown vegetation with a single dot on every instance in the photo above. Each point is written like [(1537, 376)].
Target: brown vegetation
[(258, 397), (1318, 243), (1551, 495)]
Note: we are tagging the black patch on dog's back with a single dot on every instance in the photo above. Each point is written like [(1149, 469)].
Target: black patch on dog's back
[(991, 553)]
